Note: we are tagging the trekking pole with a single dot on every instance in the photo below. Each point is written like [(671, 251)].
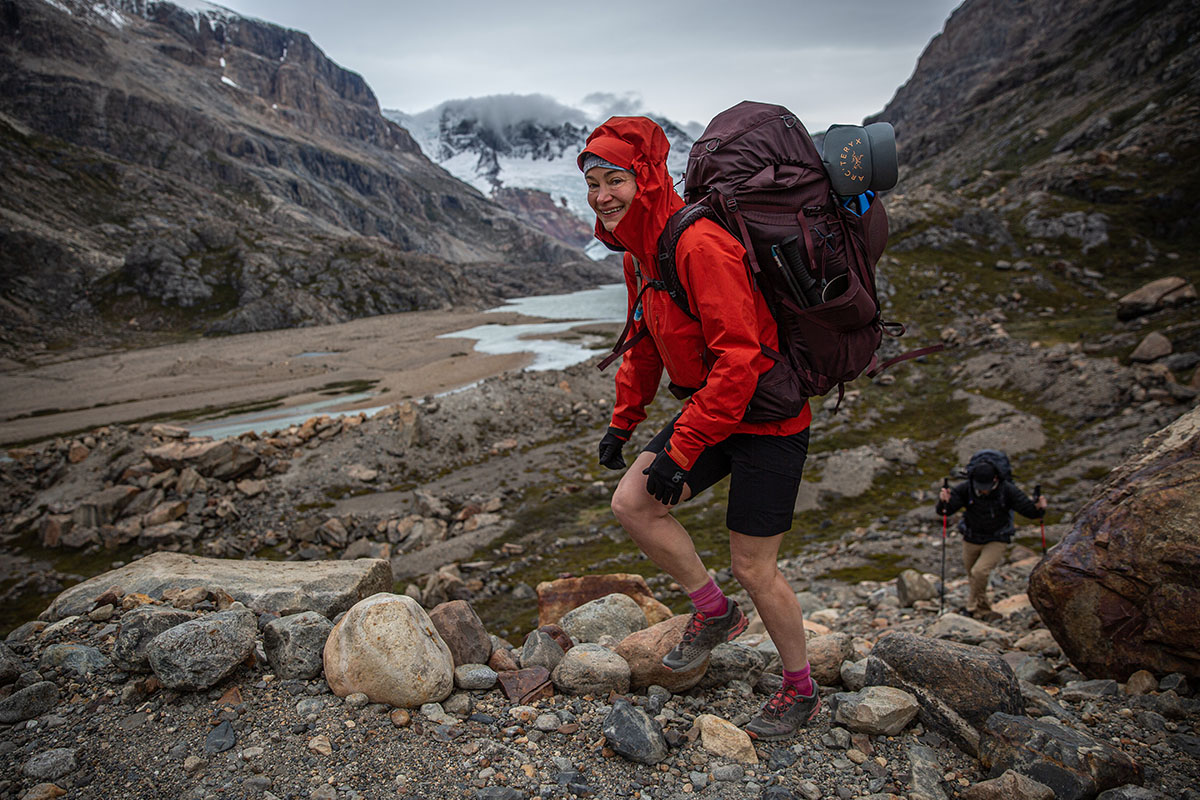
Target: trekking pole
[(1037, 493), (942, 586)]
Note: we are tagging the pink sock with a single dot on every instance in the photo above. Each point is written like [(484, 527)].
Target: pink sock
[(710, 600), (799, 679)]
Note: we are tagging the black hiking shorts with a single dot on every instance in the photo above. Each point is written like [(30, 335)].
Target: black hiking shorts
[(764, 477)]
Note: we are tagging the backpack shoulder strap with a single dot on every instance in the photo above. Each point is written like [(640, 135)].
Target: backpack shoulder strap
[(668, 242)]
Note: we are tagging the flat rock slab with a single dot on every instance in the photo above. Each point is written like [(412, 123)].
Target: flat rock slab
[(282, 587)]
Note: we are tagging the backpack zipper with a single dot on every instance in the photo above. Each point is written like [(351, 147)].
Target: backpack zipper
[(721, 142)]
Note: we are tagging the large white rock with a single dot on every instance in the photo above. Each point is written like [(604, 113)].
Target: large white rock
[(281, 587), (387, 648), (616, 615)]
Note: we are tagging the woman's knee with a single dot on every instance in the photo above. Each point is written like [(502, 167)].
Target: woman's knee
[(752, 574), (630, 503)]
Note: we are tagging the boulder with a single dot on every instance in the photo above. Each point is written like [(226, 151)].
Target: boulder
[(724, 739), (11, 666), (541, 650), (198, 654), (616, 615), (556, 598), (591, 669), (1162, 293), (474, 677), (966, 630), (912, 586), (295, 644), (387, 648), (733, 661), (103, 507), (224, 459), (1009, 786), (1151, 348), (958, 686), (631, 733), (462, 631), (928, 782), (50, 765), (280, 587), (876, 710), (826, 654), (1121, 591), (1074, 765), (644, 650), (78, 658), (29, 702)]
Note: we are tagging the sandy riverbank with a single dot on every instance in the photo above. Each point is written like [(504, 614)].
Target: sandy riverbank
[(400, 353)]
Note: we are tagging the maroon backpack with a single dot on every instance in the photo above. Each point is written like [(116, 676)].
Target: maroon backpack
[(811, 248)]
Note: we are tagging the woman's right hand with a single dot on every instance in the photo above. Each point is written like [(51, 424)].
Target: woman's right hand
[(610, 448), (943, 495)]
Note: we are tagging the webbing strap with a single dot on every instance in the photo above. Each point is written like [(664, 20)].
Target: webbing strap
[(624, 344), (924, 351), (808, 245), (747, 242)]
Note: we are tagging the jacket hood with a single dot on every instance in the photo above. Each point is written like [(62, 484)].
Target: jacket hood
[(640, 144)]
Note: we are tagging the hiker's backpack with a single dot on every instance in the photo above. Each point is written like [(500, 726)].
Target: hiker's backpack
[(997, 458), (811, 249)]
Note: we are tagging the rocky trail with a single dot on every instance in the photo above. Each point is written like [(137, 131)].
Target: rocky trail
[(481, 514)]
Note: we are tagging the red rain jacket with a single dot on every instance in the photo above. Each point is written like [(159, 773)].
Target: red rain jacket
[(721, 355)]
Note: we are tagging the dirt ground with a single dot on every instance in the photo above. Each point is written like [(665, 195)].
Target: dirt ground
[(81, 390)]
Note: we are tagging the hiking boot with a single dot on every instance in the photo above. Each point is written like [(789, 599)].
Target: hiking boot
[(786, 712), (702, 634)]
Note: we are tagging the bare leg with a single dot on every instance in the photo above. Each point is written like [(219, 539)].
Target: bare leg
[(658, 534), (754, 562)]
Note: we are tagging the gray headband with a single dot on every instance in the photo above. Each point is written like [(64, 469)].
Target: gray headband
[(591, 161)]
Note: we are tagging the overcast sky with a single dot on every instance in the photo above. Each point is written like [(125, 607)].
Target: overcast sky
[(826, 61)]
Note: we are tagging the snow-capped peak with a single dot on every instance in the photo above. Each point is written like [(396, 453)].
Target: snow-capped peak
[(518, 141)]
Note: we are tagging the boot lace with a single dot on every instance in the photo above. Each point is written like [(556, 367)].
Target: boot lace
[(694, 626), (781, 701)]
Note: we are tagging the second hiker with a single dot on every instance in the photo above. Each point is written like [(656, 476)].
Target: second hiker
[(714, 362), (989, 497)]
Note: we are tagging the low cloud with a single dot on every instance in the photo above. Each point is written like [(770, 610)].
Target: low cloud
[(610, 104)]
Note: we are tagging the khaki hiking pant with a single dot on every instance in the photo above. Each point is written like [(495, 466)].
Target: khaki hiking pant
[(979, 560)]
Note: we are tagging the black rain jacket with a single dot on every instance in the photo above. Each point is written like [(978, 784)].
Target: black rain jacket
[(990, 518)]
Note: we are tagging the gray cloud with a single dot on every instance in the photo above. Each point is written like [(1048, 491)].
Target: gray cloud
[(682, 59)]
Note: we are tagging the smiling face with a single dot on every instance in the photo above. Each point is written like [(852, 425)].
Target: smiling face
[(610, 191)]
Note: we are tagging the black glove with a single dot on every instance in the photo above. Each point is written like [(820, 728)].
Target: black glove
[(666, 479), (610, 448)]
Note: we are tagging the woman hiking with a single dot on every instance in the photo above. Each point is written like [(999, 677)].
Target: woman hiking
[(715, 361)]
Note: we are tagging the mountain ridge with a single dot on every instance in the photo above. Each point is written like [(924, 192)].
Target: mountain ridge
[(172, 170)]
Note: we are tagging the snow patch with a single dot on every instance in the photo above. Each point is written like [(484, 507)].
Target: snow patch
[(57, 5), (222, 62), (111, 14), (225, 80)]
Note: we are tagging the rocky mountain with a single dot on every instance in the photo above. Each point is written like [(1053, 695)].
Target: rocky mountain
[(526, 143), (1049, 154), (1025, 113), (167, 168)]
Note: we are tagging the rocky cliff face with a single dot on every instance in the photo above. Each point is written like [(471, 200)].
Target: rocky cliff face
[(1049, 152), (175, 169)]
